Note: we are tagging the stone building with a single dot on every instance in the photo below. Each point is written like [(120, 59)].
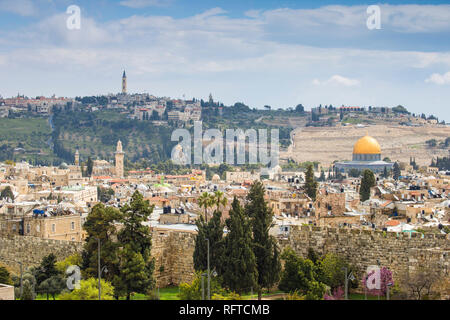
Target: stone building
[(6, 292)]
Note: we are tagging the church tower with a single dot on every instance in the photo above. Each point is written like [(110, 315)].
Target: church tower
[(119, 160), (77, 158), (124, 83)]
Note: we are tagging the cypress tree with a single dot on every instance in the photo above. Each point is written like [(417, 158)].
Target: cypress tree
[(385, 173), (100, 224), (396, 171), (265, 247), (240, 272), (89, 167), (310, 183), (367, 182), (212, 230), (7, 193), (137, 265)]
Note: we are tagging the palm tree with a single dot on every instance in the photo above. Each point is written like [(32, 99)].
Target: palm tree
[(220, 199), (206, 201)]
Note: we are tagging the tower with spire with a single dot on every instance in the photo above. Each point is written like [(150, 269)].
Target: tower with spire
[(124, 83), (77, 158), (119, 154)]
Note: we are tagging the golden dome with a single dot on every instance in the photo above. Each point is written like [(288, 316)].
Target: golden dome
[(367, 145)]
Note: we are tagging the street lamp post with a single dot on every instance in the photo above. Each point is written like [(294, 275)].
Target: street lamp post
[(346, 284), (21, 279), (100, 271), (209, 272), (387, 290), (203, 285), (347, 277)]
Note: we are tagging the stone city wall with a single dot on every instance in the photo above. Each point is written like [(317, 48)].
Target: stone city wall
[(173, 250), (400, 252)]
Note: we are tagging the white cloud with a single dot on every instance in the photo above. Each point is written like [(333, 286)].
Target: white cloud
[(247, 57), (20, 7), (337, 80), (439, 79), (137, 4)]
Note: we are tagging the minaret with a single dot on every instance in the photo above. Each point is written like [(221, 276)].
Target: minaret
[(77, 158), (124, 83), (119, 160)]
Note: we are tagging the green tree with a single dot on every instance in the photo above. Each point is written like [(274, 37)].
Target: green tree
[(354, 173), (367, 182), (331, 270), (137, 264), (213, 230), (239, 271), (48, 279), (52, 286), (89, 166), (386, 173), (73, 260), (193, 290), (7, 193), (28, 284), (265, 246), (100, 225), (297, 273), (400, 109), (316, 290), (46, 269), (205, 201), (219, 199), (397, 171), (299, 108), (89, 291), (310, 183), (5, 277)]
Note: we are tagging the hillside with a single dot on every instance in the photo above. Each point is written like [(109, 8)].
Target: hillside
[(399, 143)]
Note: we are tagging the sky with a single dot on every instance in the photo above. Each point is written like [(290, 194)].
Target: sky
[(259, 52)]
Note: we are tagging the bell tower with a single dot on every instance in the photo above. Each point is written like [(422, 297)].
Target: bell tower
[(77, 158), (119, 160), (124, 83)]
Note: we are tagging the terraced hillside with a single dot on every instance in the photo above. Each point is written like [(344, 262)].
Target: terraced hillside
[(399, 143)]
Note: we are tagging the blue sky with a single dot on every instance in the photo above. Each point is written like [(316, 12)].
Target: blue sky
[(258, 52)]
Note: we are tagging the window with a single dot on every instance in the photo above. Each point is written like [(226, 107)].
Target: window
[(53, 227), (73, 225), (38, 228), (28, 228)]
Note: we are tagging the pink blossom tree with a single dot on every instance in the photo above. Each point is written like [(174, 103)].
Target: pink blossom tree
[(338, 294), (385, 280)]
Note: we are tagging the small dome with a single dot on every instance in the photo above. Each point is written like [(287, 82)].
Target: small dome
[(63, 166), (367, 145), (216, 177)]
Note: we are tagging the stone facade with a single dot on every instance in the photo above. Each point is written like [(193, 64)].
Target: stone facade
[(173, 252), (31, 250), (56, 227), (6, 292)]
